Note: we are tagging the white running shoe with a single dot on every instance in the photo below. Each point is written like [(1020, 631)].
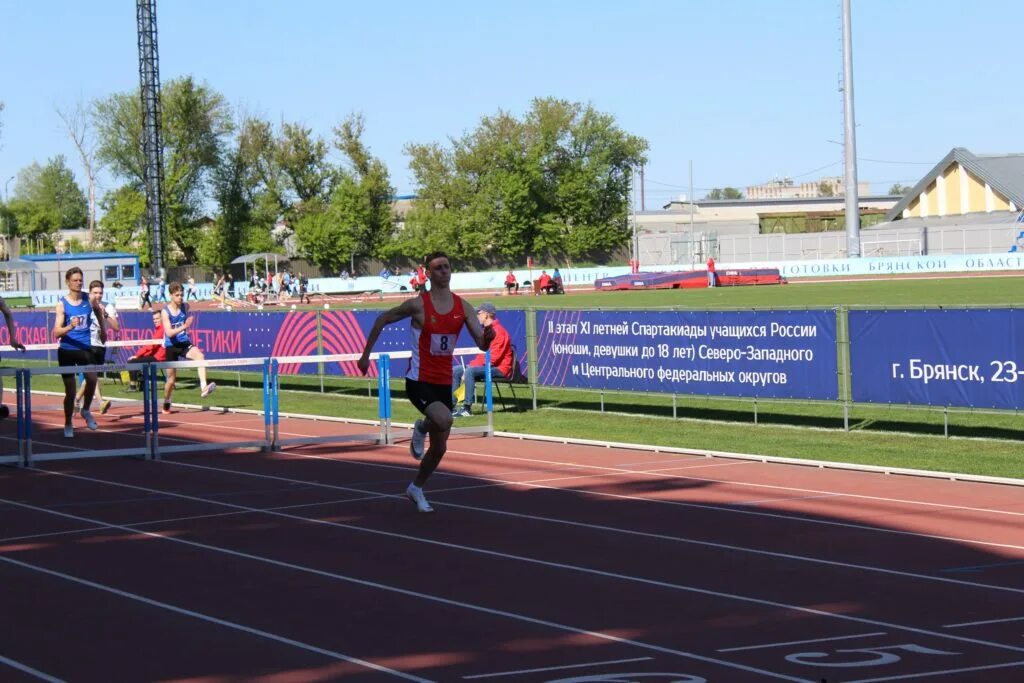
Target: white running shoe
[(415, 494), (69, 432), (90, 421), (418, 441), (210, 388)]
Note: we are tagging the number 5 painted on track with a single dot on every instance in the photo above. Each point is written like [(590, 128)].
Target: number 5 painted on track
[(880, 655)]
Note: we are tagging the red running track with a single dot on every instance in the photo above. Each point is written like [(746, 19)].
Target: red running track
[(543, 562)]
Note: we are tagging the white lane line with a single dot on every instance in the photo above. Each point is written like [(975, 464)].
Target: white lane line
[(212, 620), (983, 623), (944, 672), (395, 589), (24, 668), (732, 508), (275, 508), (776, 487), (801, 642), (785, 500), (559, 668), (507, 556), (620, 530)]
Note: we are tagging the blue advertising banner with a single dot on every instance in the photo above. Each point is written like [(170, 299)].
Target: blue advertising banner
[(769, 354), (966, 358), (34, 327), (220, 334), (346, 331)]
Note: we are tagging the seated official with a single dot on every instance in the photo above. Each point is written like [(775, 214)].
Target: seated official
[(501, 360), (545, 284), (511, 284), (153, 353), (556, 280)]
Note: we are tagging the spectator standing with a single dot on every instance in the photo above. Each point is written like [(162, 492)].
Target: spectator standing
[(144, 300), (711, 271)]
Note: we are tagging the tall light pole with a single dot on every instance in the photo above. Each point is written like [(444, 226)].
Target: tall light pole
[(850, 140)]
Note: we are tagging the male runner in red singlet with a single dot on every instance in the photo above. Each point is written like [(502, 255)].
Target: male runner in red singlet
[(437, 318)]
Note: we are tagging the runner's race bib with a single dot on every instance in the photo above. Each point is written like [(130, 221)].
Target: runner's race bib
[(442, 344)]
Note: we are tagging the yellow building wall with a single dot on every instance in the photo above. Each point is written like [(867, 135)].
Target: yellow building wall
[(933, 200), (914, 207), (999, 203), (975, 194), (952, 178)]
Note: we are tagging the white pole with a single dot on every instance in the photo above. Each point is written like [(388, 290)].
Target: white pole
[(850, 140), (692, 250)]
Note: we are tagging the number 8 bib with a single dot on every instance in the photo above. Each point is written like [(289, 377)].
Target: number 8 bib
[(441, 345)]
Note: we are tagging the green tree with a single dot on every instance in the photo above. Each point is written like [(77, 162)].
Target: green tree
[(724, 193), (826, 189), (898, 190), (554, 183), (195, 122), (362, 197), (47, 199), (123, 226), (302, 158), (324, 239)]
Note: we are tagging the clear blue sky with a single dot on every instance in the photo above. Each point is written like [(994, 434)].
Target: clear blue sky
[(746, 89)]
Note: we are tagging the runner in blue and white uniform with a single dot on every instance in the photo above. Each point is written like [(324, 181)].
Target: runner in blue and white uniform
[(98, 342), (75, 314), (15, 344), (178, 344)]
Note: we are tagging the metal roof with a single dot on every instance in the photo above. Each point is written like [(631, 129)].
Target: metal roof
[(1004, 173), (85, 256)]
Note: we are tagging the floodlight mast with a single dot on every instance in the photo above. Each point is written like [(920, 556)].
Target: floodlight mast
[(850, 141), (149, 89)]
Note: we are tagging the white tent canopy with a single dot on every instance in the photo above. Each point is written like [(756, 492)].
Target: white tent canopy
[(265, 256)]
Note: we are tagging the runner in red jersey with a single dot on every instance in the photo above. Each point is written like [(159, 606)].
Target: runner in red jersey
[(437, 316)]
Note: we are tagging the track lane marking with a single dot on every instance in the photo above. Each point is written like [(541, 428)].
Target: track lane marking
[(210, 619), (629, 532), (502, 555), (376, 585), (801, 642), (25, 668), (558, 668)]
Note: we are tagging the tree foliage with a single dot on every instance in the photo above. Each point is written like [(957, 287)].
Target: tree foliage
[(898, 190), (47, 199), (553, 184), (826, 189), (724, 193), (195, 122), (123, 226)]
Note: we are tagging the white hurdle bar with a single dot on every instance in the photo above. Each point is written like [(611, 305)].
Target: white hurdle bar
[(25, 416), (194, 447)]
